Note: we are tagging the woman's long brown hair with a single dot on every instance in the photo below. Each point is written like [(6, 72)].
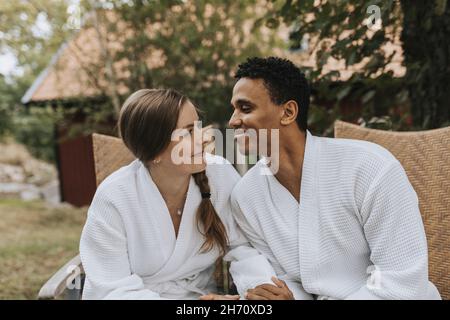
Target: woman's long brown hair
[(146, 122)]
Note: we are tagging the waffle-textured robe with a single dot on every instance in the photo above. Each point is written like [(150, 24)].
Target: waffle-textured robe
[(356, 232)]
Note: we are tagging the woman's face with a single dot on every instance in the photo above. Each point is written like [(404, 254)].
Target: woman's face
[(185, 153)]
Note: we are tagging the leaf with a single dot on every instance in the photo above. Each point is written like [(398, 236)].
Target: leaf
[(272, 23)]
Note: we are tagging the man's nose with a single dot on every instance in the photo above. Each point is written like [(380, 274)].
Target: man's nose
[(235, 120)]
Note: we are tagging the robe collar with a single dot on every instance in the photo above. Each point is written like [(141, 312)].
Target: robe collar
[(308, 212)]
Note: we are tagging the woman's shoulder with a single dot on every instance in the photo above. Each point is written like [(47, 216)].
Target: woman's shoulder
[(113, 193), (119, 178)]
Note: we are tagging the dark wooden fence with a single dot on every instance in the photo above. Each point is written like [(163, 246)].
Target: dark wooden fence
[(76, 170)]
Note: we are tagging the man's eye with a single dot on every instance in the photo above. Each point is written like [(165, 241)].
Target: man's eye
[(245, 108)]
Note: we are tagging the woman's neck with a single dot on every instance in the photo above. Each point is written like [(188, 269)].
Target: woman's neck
[(169, 182)]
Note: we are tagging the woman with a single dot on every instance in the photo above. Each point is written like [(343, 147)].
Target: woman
[(156, 227)]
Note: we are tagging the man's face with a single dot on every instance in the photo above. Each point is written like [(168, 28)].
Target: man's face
[(253, 109)]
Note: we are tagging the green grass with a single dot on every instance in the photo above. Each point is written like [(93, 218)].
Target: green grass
[(35, 241)]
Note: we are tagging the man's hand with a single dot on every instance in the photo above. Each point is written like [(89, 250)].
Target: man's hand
[(270, 292), (213, 296)]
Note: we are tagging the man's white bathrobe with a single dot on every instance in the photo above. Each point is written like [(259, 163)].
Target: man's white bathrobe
[(128, 246), (356, 232)]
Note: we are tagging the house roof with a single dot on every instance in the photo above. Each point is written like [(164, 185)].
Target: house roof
[(67, 75), (30, 93)]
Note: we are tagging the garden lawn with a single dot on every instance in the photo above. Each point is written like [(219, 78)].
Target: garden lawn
[(35, 241)]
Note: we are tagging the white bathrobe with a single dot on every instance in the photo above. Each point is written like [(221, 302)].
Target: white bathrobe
[(356, 232), (128, 246)]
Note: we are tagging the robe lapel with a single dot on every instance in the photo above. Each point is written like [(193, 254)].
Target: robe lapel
[(189, 240), (158, 212), (281, 201), (309, 217), (281, 197)]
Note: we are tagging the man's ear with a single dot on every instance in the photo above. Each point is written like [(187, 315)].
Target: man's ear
[(290, 112)]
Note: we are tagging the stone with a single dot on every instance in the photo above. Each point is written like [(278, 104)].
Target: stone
[(51, 192), (12, 173)]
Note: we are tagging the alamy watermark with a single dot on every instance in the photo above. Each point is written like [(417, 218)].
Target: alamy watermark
[(73, 282), (373, 21), (374, 280), (74, 15), (263, 142)]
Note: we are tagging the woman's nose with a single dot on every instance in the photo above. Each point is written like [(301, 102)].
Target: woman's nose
[(206, 136)]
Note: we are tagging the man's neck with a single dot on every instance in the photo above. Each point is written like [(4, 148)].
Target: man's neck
[(291, 155)]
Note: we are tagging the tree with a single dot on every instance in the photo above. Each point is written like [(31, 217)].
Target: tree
[(426, 41), (340, 30), (5, 110), (193, 46), (32, 31)]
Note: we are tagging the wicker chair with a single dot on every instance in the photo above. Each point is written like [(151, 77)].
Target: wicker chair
[(425, 155), (67, 283)]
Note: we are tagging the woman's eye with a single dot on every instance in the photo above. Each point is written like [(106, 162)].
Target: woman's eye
[(189, 133), (186, 133)]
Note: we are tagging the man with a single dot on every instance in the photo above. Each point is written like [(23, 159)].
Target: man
[(338, 219)]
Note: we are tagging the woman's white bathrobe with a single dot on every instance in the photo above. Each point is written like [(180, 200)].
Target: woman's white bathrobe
[(128, 246), (356, 233)]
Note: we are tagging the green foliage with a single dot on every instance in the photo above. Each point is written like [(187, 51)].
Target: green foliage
[(427, 51), (86, 116), (31, 31), (6, 125), (35, 129), (5, 121), (6, 104), (338, 29)]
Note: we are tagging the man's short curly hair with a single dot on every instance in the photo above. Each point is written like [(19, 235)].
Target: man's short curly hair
[(283, 80)]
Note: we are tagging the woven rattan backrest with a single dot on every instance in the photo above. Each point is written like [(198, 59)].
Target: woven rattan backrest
[(110, 153)]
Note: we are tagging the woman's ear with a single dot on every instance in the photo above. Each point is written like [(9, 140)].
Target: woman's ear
[(290, 112)]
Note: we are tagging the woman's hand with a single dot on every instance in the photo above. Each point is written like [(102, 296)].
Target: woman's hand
[(280, 291), (213, 296)]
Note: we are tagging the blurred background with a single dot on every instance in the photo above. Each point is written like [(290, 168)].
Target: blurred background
[(66, 66)]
